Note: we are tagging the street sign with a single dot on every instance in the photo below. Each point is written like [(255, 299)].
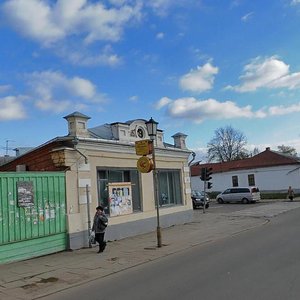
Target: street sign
[(145, 164), (143, 147)]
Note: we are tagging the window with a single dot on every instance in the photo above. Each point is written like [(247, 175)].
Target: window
[(235, 181), (241, 190), (251, 180), (106, 176), (81, 125), (169, 186)]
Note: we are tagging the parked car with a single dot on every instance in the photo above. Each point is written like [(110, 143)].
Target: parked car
[(198, 199), (239, 194)]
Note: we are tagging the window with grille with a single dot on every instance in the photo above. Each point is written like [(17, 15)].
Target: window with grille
[(235, 181), (251, 180)]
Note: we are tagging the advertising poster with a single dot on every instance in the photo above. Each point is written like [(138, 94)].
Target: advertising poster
[(25, 193), (120, 198)]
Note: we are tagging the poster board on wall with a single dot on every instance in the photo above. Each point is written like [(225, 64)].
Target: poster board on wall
[(120, 198), (25, 193)]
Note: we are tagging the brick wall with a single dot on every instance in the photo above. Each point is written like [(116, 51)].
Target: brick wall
[(36, 160)]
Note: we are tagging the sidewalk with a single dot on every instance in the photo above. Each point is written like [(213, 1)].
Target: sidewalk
[(32, 279)]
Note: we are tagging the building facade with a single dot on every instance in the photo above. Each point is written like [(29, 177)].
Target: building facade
[(269, 170), (100, 165)]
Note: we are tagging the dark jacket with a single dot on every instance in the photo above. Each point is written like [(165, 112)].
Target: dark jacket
[(100, 223)]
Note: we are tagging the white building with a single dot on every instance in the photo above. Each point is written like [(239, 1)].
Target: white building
[(269, 170)]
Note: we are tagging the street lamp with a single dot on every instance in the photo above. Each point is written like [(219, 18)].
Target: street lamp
[(152, 132)]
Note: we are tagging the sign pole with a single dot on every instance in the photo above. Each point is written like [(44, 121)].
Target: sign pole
[(204, 189)]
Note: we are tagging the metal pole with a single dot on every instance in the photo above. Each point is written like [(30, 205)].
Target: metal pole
[(204, 202), (155, 182), (88, 214)]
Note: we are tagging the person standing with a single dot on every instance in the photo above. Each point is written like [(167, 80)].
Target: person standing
[(290, 193), (99, 227)]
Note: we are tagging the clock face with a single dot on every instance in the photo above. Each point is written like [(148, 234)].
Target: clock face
[(140, 132)]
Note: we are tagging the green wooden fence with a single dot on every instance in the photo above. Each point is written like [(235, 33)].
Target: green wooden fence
[(32, 214)]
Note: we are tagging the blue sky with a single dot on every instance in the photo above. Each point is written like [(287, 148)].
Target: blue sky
[(192, 65)]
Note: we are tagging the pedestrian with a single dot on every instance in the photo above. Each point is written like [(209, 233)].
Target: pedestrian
[(290, 193), (99, 227)]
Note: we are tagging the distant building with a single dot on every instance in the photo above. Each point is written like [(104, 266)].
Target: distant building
[(269, 170), (22, 150), (5, 159)]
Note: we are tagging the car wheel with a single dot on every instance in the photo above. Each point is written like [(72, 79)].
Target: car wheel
[(207, 205), (245, 201), (219, 200)]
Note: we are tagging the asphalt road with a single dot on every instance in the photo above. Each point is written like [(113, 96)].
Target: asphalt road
[(262, 263), (216, 207)]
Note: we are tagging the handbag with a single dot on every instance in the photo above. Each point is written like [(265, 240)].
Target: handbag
[(92, 238)]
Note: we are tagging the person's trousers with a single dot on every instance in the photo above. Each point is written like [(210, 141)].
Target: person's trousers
[(99, 237)]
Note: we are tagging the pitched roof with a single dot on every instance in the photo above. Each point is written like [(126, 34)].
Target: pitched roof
[(77, 114), (266, 158), (179, 134), (103, 132), (6, 159)]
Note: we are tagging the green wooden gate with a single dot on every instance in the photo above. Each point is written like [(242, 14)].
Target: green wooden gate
[(32, 214)]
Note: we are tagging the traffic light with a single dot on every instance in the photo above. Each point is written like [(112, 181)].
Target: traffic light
[(209, 185), (203, 174), (208, 172)]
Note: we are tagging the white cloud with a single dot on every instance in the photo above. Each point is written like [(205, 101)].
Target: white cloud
[(81, 57), (235, 3), (162, 102), (268, 73), (94, 60), (134, 98), (247, 17), (48, 23), (33, 18), (199, 80), (163, 7), (118, 2), (200, 110), (284, 110), (4, 88), (160, 35), (11, 108), (54, 91), (160, 7), (295, 2)]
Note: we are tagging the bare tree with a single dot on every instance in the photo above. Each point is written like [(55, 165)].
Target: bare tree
[(227, 144), (287, 150), (254, 152)]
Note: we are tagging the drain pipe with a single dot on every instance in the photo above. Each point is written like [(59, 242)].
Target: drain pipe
[(193, 155), (88, 214)]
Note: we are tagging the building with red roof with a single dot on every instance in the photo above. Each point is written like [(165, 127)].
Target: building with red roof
[(269, 170)]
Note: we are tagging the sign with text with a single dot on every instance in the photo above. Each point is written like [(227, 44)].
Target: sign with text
[(143, 147), (25, 193)]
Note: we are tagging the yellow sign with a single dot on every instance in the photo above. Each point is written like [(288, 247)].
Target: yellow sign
[(145, 164), (143, 147)]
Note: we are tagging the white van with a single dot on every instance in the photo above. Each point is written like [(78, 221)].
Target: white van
[(239, 194)]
